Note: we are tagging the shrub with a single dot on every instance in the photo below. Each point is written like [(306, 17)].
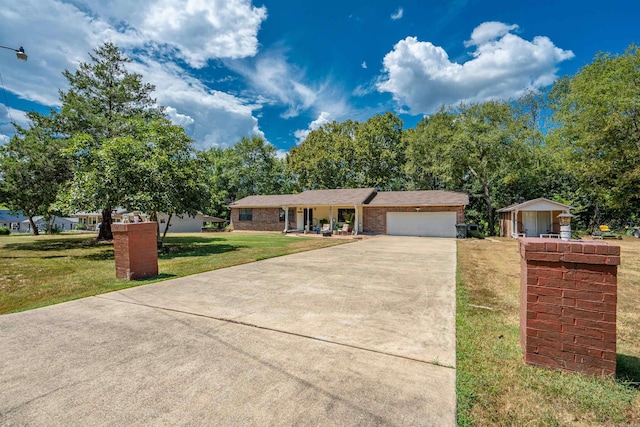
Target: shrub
[(4, 231), (475, 234), (54, 229)]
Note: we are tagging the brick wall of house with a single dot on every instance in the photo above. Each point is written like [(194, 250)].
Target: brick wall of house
[(263, 219), (375, 218), (135, 250), (568, 297)]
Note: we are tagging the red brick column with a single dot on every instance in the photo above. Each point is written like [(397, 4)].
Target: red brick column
[(568, 297), (135, 249)]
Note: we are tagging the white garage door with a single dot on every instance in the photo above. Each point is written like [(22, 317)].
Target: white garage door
[(432, 224)]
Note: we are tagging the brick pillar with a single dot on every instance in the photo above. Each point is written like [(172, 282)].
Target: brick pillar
[(568, 296), (135, 249)]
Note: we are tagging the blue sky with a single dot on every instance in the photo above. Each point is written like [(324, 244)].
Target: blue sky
[(232, 68)]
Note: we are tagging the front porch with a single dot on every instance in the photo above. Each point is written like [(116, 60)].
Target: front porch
[(534, 218), (311, 218)]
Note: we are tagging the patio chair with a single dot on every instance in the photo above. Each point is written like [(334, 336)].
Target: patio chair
[(344, 229), (326, 230)]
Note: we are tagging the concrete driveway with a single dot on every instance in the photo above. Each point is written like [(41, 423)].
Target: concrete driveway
[(358, 334)]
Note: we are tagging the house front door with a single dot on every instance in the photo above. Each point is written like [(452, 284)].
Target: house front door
[(308, 219), (530, 223)]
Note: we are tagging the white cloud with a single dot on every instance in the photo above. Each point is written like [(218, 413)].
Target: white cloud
[(488, 31), (301, 134), (275, 81), (196, 31), (281, 153), (421, 77), (8, 116), (211, 117), (202, 30), (179, 119), (364, 65), (398, 14)]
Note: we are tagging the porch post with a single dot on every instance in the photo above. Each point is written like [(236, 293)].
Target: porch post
[(516, 222), (308, 220), (286, 219), (331, 218), (355, 230)]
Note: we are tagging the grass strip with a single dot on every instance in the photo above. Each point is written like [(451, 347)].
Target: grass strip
[(495, 387)]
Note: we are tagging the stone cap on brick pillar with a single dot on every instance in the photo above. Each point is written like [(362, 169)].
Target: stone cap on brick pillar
[(124, 227), (578, 251)]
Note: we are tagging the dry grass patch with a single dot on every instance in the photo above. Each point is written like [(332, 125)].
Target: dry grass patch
[(42, 270), (494, 385)]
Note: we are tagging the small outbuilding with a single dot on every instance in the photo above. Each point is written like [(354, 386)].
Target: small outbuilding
[(532, 218)]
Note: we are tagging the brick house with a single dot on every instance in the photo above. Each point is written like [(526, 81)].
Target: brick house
[(412, 213)]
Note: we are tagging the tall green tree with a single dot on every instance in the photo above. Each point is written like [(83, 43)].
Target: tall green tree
[(251, 166), (103, 105), (326, 158), (597, 113), (379, 151), (472, 148), (351, 155), (424, 147), (33, 169)]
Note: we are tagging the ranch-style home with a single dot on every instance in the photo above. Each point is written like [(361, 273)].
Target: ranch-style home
[(433, 213), (178, 224)]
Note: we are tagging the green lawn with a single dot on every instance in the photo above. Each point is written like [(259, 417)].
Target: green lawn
[(41, 270), (495, 387)]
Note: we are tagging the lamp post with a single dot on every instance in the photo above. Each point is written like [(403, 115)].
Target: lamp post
[(19, 52), (565, 225)]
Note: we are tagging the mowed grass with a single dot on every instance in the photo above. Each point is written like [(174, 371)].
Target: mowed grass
[(44, 270), (495, 387)]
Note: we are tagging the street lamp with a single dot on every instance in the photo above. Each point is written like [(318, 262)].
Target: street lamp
[(565, 225), (19, 52)]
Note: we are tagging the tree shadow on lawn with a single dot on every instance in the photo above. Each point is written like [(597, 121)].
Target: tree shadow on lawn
[(161, 276), (628, 369), (83, 243), (99, 256), (180, 251), (171, 252), (56, 244)]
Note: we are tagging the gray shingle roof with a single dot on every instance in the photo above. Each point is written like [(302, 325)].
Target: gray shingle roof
[(345, 196), (265, 201), (356, 196), (523, 205), (420, 198)]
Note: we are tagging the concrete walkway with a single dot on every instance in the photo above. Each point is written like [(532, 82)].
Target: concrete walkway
[(358, 334)]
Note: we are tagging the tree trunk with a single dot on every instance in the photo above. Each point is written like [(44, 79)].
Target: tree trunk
[(33, 226), (166, 228), (490, 220), (105, 227)]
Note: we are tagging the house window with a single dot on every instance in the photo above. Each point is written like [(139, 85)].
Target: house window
[(342, 213), (246, 214), (281, 215)]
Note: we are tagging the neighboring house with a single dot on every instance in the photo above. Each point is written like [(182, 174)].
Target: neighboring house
[(185, 223), (531, 218), (12, 222), (179, 224), (63, 224), (412, 213), (92, 219)]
